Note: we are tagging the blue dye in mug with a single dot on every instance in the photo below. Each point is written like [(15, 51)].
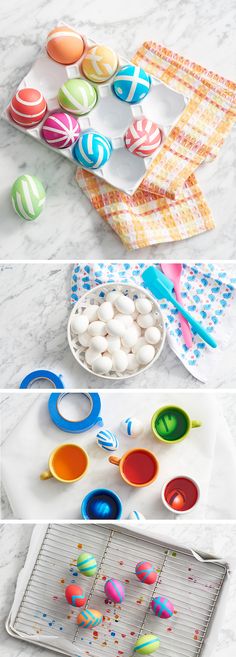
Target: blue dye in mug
[(101, 504)]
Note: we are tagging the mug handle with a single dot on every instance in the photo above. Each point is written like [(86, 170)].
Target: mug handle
[(45, 475), (114, 460), (195, 424)]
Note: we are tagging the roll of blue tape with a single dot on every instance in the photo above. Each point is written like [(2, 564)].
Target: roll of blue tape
[(75, 426), (41, 375)]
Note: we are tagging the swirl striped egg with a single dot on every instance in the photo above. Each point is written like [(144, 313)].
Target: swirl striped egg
[(86, 564), (143, 137), (89, 618), (162, 607), (28, 197), (100, 63), (145, 572), (28, 107), (77, 96), (147, 644), (60, 130), (114, 590), (75, 596), (107, 440), (92, 150), (131, 427), (131, 83)]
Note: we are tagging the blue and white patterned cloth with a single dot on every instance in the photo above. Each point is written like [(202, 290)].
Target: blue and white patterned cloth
[(208, 292)]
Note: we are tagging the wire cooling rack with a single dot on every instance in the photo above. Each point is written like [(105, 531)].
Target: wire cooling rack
[(43, 614)]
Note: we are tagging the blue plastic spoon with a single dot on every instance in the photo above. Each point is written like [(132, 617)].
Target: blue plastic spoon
[(162, 288)]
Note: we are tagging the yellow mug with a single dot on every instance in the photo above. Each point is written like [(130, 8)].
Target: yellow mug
[(67, 463)]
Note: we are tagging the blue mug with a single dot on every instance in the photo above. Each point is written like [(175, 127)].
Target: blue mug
[(101, 504)]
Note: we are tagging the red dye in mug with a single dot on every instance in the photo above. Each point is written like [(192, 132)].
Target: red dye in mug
[(181, 494), (139, 467)]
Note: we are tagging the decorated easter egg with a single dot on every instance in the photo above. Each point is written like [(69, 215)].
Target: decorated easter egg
[(162, 607), (145, 572), (147, 644), (114, 590), (107, 440), (86, 564), (60, 130), (28, 107), (77, 96), (131, 83), (100, 63), (135, 515), (143, 137), (92, 150), (28, 197), (89, 618), (64, 45), (75, 596), (131, 427)]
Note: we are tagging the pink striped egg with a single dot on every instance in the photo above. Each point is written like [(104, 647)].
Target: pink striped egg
[(60, 130), (162, 607), (114, 590), (28, 107), (143, 137)]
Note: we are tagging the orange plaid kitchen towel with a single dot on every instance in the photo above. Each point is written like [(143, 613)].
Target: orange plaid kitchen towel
[(169, 204)]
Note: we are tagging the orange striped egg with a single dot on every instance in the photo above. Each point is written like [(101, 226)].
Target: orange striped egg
[(28, 107), (89, 618), (64, 45), (100, 63)]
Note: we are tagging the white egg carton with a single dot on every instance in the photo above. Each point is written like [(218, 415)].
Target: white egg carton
[(110, 116)]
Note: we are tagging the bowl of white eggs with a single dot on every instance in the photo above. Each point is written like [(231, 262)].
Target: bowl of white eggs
[(116, 331)]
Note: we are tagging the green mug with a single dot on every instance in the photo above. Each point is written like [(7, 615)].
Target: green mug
[(171, 424)]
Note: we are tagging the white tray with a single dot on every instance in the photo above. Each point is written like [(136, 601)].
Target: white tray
[(196, 584), (110, 116)]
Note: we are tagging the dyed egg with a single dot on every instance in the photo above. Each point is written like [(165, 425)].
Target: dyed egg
[(131, 426), (106, 311), (100, 63), (28, 197), (28, 107), (60, 130), (79, 324), (124, 304), (92, 150), (86, 564), (107, 440), (145, 572), (64, 45), (119, 360), (99, 343), (102, 365), (77, 96), (114, 590), (145, 354), (152, 335), (147, 644), (75, 596), (143, 306), (162, 607), (143, 137), (131, 83), (89, 618), (135, 515), (115, 327)]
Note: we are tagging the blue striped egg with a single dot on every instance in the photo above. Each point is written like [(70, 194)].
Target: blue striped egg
[(135, 515), (107, 440), (89, 618), (92, 150), (131, 427), (131, 83)]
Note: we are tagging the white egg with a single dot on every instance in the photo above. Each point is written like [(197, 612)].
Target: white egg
[(146, 320), (79, 324), (112, 296), (91, 312), (115, 327), (137, 329), (97, 328), (120, 360), (143, 306), (113, 343), (132, 363), (85, 339), (98, 343), (152, 335), (145, 354), (140, 343), (124, 304), (105, 311), (126, 319), (102, 365), (91, 355), (130, 337)]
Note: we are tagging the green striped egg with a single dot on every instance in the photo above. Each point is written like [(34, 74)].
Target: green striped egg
[(87, 564), (147, 644), (28, 197), (77, 96)]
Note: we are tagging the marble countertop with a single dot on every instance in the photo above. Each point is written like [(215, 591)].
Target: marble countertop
[(70, 228), (34, 305), (14, 542)]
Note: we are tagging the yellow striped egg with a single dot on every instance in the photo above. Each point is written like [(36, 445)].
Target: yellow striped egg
[(99, 64), (89, 618), (147, 644)]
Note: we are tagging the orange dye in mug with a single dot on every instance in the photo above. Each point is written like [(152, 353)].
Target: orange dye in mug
[(69, 462)]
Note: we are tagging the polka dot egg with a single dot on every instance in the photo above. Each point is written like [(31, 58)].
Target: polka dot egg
[(100, 63), (143, 137), (75, 596), (114, 590), (145, 572), (77, 96), (146, 644), (131, 83), (89, 618), (92, 150), (86, 564), (60, 130)]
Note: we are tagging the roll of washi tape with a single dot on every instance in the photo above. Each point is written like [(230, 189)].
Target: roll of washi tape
[(41, 375), (75, 426)]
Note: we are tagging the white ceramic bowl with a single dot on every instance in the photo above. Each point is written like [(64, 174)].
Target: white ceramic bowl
[(96, 296)]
